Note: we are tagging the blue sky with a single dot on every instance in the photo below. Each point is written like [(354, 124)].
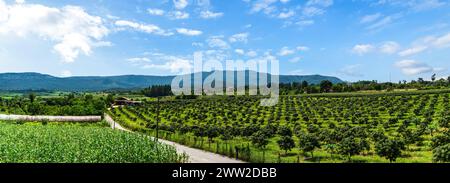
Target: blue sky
[(351, 39)]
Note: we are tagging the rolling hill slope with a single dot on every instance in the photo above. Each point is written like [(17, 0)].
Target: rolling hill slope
[(37, 81)]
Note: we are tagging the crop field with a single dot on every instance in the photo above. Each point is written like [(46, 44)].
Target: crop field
[(400, 127), (31, 142)]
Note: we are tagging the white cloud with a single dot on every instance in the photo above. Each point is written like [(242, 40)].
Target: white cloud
[(302, 48), (252, 53), (287, 14), (416, 5), (277, 9), (303, 23), (440, 42), (412, 67), (178, 15), (389, 47), (426, 43), (362, 49), (3, 11), (209, 14), (180, 4), (170, 63), (217, 42), (73, 30), (239, 51), (285, 51), (218, 55), (241, 37), (157, 12), (412, 51), (371, 18), (189, 32), (20, 1), (138, 60), (312, 11), (428, 4), (263, 5), (147, 28), (381, 23), (204, 3), (197, 44), (174, 66), (323, 3), (295, 59)]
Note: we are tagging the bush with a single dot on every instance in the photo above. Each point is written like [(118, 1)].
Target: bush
[(308, 143), (441, 154), (286, 143), (390, 149)]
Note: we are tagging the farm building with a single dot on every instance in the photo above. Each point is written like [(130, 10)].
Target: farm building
[(126, 101)]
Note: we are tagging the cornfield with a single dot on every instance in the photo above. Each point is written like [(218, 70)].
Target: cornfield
[(79, 144)]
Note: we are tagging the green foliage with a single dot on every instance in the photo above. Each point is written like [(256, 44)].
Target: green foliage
[(440, 140), (110, 99), (286, 143), (157, 91), (351, 146), (344, 125), (441, 154), (260, 140), (390, 149), (445, 122), (284, 131), (308, 143), (79, 144), (325, 86), (69, 105), (32, 97)]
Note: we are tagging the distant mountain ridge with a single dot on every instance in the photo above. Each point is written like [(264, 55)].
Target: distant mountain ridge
[(37, 81)]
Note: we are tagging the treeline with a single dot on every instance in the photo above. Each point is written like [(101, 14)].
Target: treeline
[(327, 86), (324, 87), (157, 91), (68, 105)]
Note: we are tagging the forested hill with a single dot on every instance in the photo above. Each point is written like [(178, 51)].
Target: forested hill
[(37, 81)]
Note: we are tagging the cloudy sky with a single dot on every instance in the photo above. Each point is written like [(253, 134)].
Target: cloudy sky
[(351, 39)]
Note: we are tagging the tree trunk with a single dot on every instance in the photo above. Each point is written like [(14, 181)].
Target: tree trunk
[(264, 156)]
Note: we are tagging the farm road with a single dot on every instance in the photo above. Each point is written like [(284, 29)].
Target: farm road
[(195, 155)]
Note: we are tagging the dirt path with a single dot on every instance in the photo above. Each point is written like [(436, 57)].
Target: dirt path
[(195, 155)]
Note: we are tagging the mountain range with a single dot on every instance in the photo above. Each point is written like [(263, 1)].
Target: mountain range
[(37, 81)]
